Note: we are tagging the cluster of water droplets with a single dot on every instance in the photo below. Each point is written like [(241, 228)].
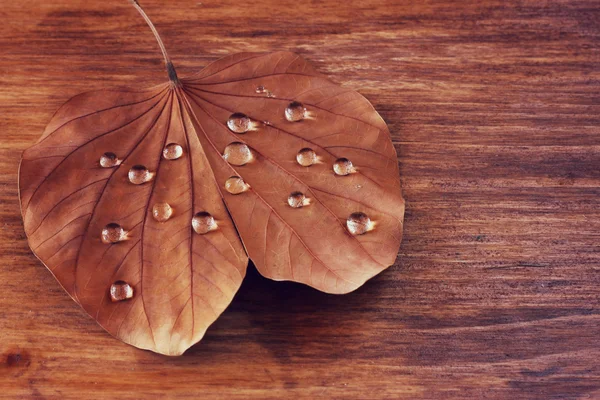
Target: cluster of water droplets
[(202, 222), (238, 154)]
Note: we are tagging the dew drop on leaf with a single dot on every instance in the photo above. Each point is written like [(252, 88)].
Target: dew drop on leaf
[(358, 223), (343, 166), (120, 291), (172, 151), (139, 174), (162, 212), (237, 153), (296, 199), (113, 233), (295, 112), (109, 160), (203, 223), (236, 185), (239, 123), (306, 157)]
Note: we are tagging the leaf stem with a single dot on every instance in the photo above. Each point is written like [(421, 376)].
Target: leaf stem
[(169, 65)]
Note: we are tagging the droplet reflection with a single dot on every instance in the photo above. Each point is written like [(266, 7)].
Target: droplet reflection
[(109, 160), (306, 157), (295, 112), (120, 291), (236, 185), (239, 123), (237, 153), (343, 166), (297, 200), (358, 223), (172, 151), (113, 233), (162, 212), (139, 174), (203, 223)]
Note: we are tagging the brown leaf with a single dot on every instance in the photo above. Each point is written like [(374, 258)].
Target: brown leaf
[(137, 200)]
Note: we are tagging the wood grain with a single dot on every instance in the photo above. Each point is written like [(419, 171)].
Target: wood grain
[(494, 108)]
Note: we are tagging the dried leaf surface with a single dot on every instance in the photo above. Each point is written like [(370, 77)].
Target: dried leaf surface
[(290, 219)]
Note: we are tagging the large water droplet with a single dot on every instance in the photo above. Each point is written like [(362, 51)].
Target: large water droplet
[(113, 233), (203, 223), (109, 160), (295, 112), (358, 223), (343, 166), (297, 200), (162, 212), (120, 291), (172, 151), (239, 123), (306, 157), (237, 153), (139, 174), (236, 185)]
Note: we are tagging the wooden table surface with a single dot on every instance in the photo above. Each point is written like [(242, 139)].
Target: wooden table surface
[(494, 109)]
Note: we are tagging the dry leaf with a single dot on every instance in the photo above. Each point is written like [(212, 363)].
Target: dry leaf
[(136, 201)]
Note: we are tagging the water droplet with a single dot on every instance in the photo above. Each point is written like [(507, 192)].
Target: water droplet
[(113, 233), (139, 174), (358, 223), (297, 199), (271, 95), (236, 185), (306, 157), (203, 223), (109, 160), (239, 123), (172, 151), (343, 166), (120, 291), (295, 112), (263, 90), (162, 212), (237, 153)]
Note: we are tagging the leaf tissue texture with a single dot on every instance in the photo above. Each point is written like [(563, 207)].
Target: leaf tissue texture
[(146, 205)]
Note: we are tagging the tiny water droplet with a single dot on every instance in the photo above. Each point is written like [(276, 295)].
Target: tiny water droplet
[(237, 153), (306, 157), (172, 151), (109, 160), (295, 111), (162, 212), (203, 223), (236, 185), (239, 123), (139, 174), (263, 90), (296, 199), (113, 233), (358, 223), (271, 95), (343, 166), (120, 291)]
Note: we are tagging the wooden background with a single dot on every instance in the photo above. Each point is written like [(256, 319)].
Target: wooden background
[(494, 108)]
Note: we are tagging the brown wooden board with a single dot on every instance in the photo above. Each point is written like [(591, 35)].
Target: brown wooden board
[(494, 109)]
